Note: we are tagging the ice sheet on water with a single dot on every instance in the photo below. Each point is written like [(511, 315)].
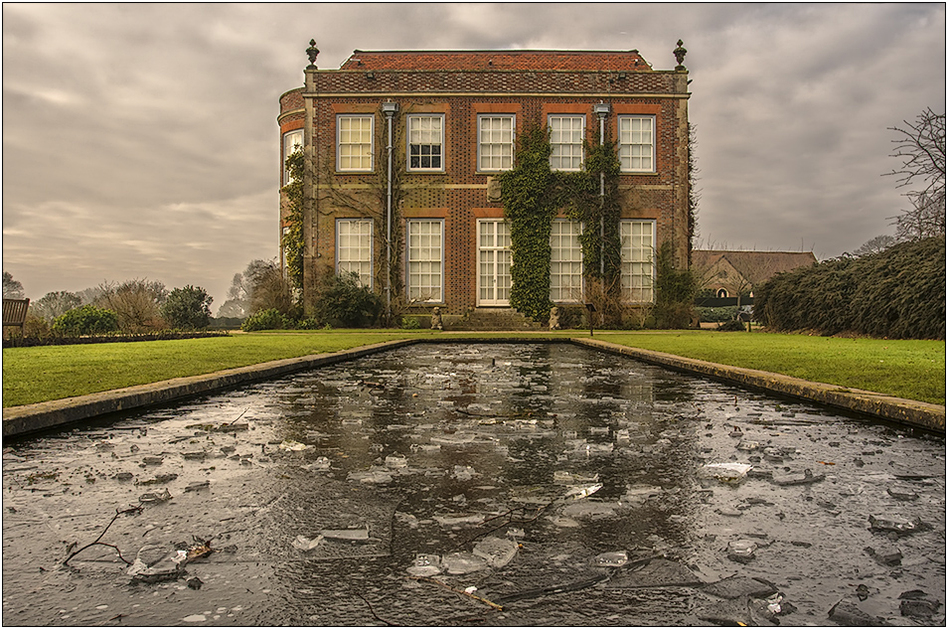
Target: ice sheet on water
[(611, 559), (356, 533), (462, 562), (451, 520), (742, 550), (425, 565), (728, 472), (497, 552), (370, 476), (463, 473), (396, 461), (293, 445), (306, 544), (639, 494), (588, 509)]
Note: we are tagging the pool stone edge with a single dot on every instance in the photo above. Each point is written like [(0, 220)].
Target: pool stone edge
[(25, 419)]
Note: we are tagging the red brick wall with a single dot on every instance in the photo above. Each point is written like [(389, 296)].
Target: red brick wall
[(459, 195)]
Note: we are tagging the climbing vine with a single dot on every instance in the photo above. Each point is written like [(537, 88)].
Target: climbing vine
[(590, 207), (530, 197), (292, 240), (369, 199)]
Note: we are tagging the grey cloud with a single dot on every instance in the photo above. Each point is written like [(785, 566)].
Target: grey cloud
[(140, 140)]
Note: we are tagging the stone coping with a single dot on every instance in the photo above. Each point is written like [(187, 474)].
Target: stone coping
[(26, 419)]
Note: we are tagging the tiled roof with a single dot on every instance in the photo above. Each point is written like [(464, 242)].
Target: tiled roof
[(756, 267), (626, 61)]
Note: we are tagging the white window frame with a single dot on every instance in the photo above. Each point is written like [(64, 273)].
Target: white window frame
[(638, 260), (340, 133), (413, 122), (560, 150), (494, 257), (425, 260), (633, 151), (291, 139), (566, 262), (494, 148), (358, 257)]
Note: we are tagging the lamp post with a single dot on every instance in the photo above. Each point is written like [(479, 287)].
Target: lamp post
[(389, 109)]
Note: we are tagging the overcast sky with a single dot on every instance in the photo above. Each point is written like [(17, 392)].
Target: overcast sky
[(140, 141)]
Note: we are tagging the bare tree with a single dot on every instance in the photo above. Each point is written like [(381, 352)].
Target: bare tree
[(12, 288), (237, 303), (875, 245), (922, 149), (54, 304), (136, 302), (267, 286)]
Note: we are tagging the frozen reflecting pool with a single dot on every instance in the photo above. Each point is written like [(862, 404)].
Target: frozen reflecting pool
[(492, 484)]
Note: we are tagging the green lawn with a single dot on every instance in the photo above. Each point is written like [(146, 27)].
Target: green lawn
[(52, 372), (913, 369), (908, 369)]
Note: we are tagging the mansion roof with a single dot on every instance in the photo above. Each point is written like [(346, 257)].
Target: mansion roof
[(615, 61), (755, 267)]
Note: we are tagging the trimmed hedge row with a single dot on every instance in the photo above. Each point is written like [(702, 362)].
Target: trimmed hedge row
[(59, 340), (899, 293)]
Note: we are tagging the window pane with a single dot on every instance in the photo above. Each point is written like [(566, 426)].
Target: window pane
[(566, 142), (496, 143), (355, 143), (425, 142), (566, 262), (636, 143), (425, 261), (292, 141), (636, 275), (354, 248)]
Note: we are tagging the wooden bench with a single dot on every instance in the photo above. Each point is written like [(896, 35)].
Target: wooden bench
[(14, 312)]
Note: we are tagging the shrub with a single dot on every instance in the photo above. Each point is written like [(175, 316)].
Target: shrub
[(344, 303), (717, 313), (187, 308), (411, 323), (86, 320), (309, 323), (137, 303), (36, 327), (675, 291), (268, 287), (897, 293), (269, 319), (733, 325)]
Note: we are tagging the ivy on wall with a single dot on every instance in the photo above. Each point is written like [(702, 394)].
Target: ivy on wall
[(529, 194), (292, 240), (334, 198), (590, 207), (532, 196)]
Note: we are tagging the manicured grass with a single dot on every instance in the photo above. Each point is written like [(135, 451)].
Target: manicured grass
[(52, 372), (908, 369), (913, 369)]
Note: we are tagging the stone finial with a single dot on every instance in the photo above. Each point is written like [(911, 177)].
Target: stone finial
[(312, 52), (679, 53)]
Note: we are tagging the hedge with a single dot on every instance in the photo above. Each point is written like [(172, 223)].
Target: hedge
[(899, 293)]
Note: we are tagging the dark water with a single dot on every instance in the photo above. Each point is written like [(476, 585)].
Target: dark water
[(433, 449)]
